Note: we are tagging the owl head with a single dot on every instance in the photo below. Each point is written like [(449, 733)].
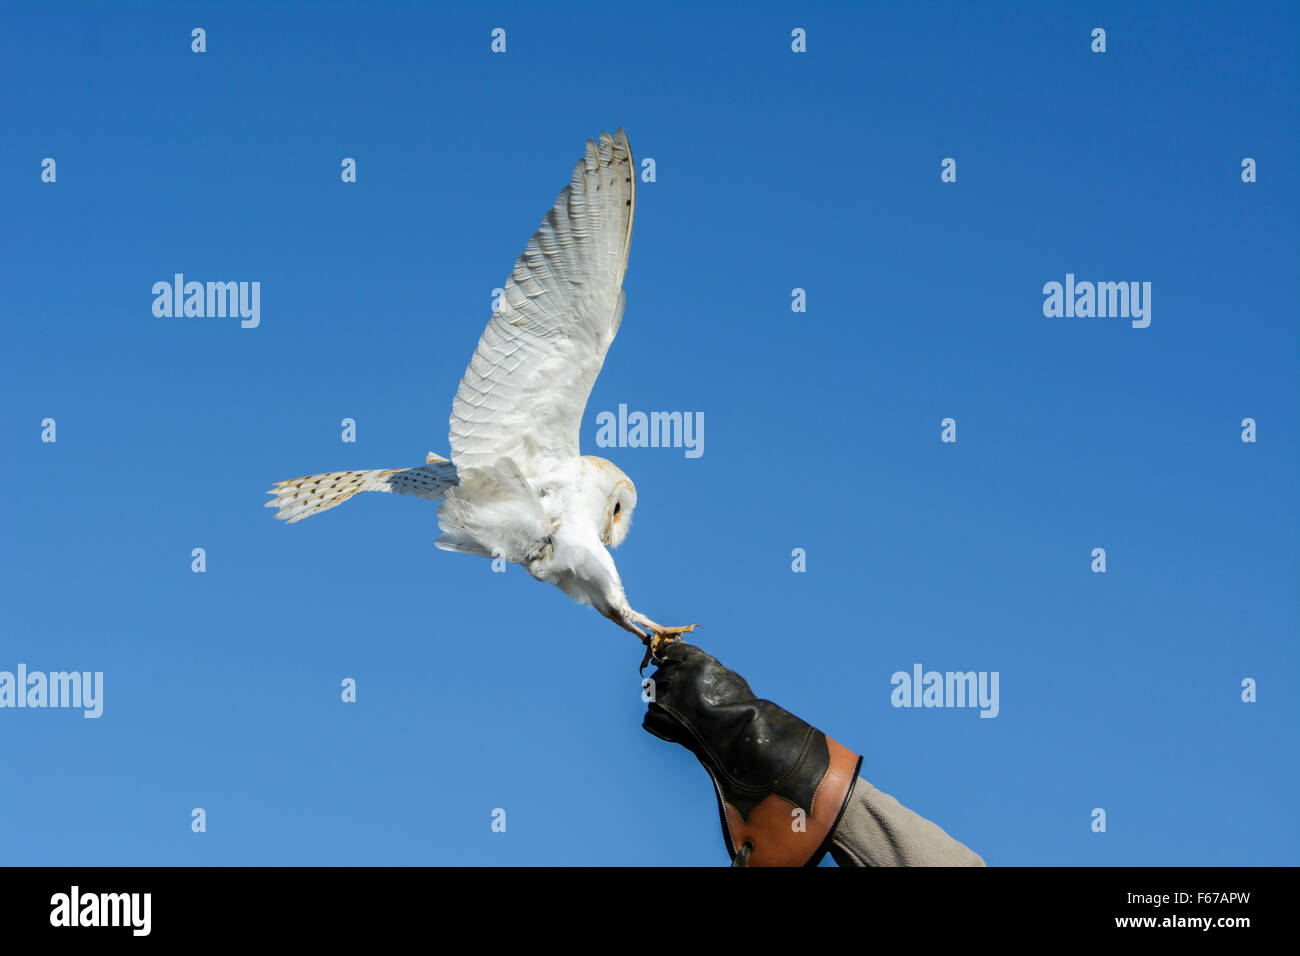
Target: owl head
[(619, 498)]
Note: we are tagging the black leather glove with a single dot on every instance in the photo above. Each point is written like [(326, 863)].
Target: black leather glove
[(781, 783)]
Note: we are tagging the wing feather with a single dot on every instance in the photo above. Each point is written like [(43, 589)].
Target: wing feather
[(526, 387)]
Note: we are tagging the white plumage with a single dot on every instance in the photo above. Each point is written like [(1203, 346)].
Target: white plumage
[(517, 486)]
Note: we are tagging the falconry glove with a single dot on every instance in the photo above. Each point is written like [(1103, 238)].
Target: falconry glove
[(781, 783)]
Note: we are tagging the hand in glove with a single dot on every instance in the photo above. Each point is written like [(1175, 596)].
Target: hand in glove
[(781, 783)]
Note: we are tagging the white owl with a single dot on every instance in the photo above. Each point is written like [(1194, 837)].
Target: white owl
[(516, 486)]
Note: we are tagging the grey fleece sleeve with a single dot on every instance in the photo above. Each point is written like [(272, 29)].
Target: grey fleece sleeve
[(877, 830)]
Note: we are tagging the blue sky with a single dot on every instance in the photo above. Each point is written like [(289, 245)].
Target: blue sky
[(774, 171)]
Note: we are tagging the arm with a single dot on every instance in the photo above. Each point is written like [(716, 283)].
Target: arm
[(786, 792), (877, 830)]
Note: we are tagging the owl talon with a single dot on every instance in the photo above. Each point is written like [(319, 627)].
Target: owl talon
[(661, 636)]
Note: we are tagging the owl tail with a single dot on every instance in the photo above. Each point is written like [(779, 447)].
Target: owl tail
[(300, 498)]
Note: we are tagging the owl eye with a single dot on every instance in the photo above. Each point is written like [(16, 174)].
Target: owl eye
[(618, 506)]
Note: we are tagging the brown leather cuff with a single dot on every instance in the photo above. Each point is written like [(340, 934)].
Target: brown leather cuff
[(781, 833)]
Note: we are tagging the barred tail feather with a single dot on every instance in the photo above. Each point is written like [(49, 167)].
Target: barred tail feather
[(300, 498)]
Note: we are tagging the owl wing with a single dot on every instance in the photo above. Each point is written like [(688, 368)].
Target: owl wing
[(524, 392)]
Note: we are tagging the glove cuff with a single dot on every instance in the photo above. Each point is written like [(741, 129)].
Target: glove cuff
[(774, 831)]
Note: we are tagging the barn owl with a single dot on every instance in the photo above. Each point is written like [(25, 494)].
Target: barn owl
[(516, 486)]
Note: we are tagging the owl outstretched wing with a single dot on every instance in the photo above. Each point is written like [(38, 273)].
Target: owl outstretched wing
[(524, 392)]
